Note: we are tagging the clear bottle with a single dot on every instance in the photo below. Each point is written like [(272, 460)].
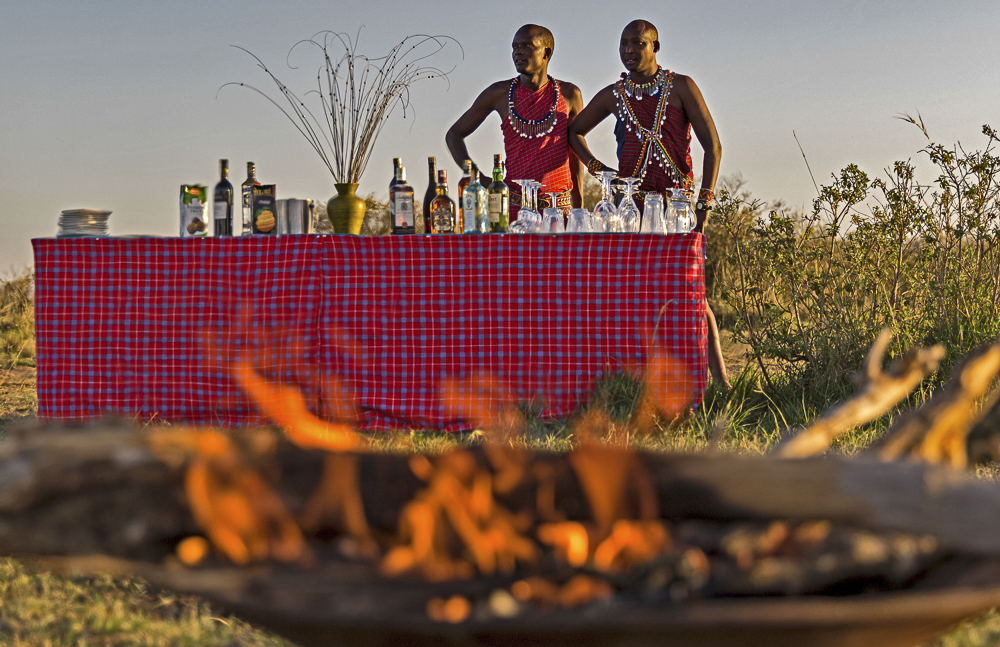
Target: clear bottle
[(462, 183), (401, 203), (475, 219), (247, 190), (498, 197), (222, 206), (429, 193), (442, 208)]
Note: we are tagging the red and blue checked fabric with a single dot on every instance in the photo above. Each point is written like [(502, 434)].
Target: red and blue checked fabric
[(145, 327)]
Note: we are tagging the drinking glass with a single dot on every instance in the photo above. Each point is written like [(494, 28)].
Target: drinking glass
[(579, 222), (605, 210), (628, 215), (680, 206), (652, 214), (552, 220)]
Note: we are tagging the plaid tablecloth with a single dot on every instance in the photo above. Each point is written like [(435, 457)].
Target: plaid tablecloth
[(146, 327)]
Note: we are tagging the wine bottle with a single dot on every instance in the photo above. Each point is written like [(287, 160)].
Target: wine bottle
[(462, 183), (442, 208), (401, 203), (430, 193), (499, 200), (222, 207), (247, 188), (475, 219)]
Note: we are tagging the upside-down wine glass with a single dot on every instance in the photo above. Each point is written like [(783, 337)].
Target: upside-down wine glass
[(628, 213), (552, 220), (524, 223), (605, 210)]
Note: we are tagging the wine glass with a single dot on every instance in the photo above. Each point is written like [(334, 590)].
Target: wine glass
[(652, 214), (605, 210), (579, 222), (628, 215), (526, 215), (552, 221)]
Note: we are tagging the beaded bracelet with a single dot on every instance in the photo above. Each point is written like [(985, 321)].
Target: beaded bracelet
[(594, 166), (706, 195)]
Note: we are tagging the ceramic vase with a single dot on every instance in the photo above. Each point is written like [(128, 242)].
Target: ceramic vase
[(346, 210)]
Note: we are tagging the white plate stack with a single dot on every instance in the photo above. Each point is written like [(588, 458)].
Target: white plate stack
[(83, 222)]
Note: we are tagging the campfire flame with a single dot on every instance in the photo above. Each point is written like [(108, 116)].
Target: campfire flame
[(456, 526)]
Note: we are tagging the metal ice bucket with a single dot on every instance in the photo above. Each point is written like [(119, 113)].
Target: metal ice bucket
[(295, 216)]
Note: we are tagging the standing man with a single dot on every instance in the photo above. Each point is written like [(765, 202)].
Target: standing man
[(656, 111), (535, 113)]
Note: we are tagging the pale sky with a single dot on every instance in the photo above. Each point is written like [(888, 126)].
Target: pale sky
[(114, 105)]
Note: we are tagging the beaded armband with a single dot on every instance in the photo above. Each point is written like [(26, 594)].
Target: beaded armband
[(594, 166)]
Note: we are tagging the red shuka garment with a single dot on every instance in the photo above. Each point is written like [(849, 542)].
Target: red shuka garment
[(543, 159), (675, 137)]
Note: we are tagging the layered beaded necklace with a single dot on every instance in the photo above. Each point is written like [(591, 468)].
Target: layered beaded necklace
[(533, 128), (652, 142)]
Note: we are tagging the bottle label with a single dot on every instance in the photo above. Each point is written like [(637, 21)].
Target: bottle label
[(497, 205), (441, 217), (221, 210), (403, 210)]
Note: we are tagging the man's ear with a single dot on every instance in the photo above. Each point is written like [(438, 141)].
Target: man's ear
[(656, 46), (548, 53)]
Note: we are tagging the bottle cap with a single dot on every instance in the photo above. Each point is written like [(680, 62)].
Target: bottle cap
[(442, 176)]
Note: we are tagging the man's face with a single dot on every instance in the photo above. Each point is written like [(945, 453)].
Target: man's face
[(529, 52), (637, 49)]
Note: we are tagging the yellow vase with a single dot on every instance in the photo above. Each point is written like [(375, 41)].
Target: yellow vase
[(345, 210)]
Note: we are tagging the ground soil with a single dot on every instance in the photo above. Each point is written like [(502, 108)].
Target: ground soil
[(18, 398)]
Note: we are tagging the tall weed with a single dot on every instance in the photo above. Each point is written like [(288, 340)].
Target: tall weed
[(17, 320)]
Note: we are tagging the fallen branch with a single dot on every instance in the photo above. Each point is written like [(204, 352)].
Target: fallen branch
[(880, 391), (937, 432)]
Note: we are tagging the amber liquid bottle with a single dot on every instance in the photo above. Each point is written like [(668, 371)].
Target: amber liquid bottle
[(442, 208), (429, 194)]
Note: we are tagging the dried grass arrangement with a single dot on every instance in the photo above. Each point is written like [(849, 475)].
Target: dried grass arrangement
[(356, 94)]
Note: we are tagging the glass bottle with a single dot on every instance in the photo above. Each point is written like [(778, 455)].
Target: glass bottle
[(397, 162), (442, 208), (474, 217), (498, 199), (247, 187), (401, 203), (462, 183), (430, 193), (222, 206)]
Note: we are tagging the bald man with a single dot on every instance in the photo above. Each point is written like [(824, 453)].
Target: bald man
[(535, 113), (656, 111)]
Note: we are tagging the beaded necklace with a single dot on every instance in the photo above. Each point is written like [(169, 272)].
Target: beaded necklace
[(652, 142), (532, 128)]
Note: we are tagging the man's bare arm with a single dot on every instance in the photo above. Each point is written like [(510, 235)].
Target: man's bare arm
[(574, 101), (708, 137), (599, 108), (472, 119)]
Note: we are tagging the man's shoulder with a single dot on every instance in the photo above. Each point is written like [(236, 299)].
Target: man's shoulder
[(502, 85), (568, 88)]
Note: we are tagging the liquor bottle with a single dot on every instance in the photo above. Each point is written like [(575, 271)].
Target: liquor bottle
[(442, 208), (430, 193), (396, 164), (462, 183), (475, 218), (401, 203), (499, 200), (247, 187), (222, 207)]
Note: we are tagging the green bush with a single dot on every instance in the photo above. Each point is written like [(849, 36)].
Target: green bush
[(808, 292)]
